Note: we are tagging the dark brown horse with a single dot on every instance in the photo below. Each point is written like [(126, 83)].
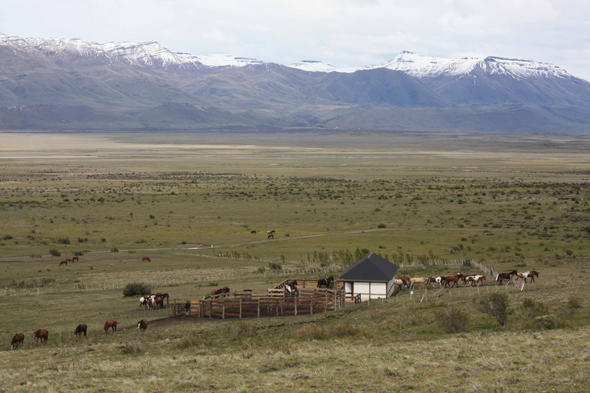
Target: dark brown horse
[(41, 334), (17, 340), (405, 279), (220, 291), (142, 325), (271, 236), (253, 232), (81, 329), (146, 259), (75, 259), (532, 275), (506, 276), (112, 324), (63, 263)]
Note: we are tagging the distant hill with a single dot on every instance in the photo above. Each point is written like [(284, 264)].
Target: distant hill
[(69, 84)]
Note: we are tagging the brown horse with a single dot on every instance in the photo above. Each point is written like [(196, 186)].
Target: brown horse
[(399, 248), (75, 259), (405, 279), (146, 259), (68, 260), (142, 325), (65, 262), (253, 232), (453, 279), (18, 338), (41, 334), (112, 324), (220, 291), (271, 236)]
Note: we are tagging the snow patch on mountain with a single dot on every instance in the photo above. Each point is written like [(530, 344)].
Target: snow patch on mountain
[(218, 60)]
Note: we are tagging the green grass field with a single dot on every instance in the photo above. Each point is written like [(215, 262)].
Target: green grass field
[(189, 202)]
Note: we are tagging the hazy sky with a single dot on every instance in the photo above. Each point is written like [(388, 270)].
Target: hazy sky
[(343, 33)]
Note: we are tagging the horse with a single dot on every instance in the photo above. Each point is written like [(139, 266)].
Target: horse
[(421, 281), (292, 289), (399, 248), (159, 302), (75, 259), (220, 291), (112, 324), (41, 334), (146, 259), (532, 275), (270, 232), (454, 279), (506, 276), (480, 279), (397, 281), (326, 282), (81, 329), (270, 236), (405, 279), (142, 325), (68, 260), (142, 301), (252, 232), (18, 338), (64, 262)]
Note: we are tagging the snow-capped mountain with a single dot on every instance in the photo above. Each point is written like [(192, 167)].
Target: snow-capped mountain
[(139, 54), (420, 66)]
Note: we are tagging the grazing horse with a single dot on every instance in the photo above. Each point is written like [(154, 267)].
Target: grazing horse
[(143, 301), (453, 279), (68, 260), (506, 276), (65, 262), (399, 248), (405, 279), (159, 302), (112, 324), (18, 338), (146, 259), (421, 281), (271, 236), (41, 334), (75, 259), (142, 325), (82, 328), (252, 232)]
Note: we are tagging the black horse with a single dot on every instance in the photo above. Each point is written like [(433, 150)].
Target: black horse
[(326, 282), (81, 329)]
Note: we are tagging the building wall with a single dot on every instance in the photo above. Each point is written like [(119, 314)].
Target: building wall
[(373, 290)]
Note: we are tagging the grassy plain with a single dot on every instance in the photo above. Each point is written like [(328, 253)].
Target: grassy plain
[(508, 202)]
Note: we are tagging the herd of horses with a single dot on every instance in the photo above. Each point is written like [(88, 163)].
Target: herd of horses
[(69, 260), (153, 301), (454, 279), (43, 334), (269, 234)]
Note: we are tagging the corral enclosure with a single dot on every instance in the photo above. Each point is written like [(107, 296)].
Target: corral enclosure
[(191, 202)]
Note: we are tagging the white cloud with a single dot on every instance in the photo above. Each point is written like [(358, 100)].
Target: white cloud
[(341, 32)]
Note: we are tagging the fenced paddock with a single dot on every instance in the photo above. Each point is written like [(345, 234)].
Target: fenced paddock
[(268, 303)]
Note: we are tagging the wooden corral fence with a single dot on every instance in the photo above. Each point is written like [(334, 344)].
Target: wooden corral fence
[(308, 283), (267, 303)]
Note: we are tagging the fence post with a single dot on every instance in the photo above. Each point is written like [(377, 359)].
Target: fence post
[(241, 308)]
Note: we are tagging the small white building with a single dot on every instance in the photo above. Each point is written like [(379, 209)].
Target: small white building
[(371, 277)]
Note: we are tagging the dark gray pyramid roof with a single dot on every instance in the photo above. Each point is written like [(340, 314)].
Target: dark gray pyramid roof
[(371, 268)]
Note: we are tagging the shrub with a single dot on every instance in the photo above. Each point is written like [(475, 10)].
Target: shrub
[(534, 307), (495, 305), (574, 301), (381, 226), (131, 348), (275, 266), (64, 240), (137, 288), (114, 249), (78, 253), (6, 237), (54, 253), (550, 322), (453, 320), (194, 339)]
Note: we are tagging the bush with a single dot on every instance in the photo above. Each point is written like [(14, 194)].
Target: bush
[(381, 226), (114, 249), (54, 253), (131, 348), (63, 240), (194, 339), (6, 237), (574, 301), (495, 305), (453, 320), (549, 322), (534, 307), (275, 266), (78, 253), (137, 288)]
